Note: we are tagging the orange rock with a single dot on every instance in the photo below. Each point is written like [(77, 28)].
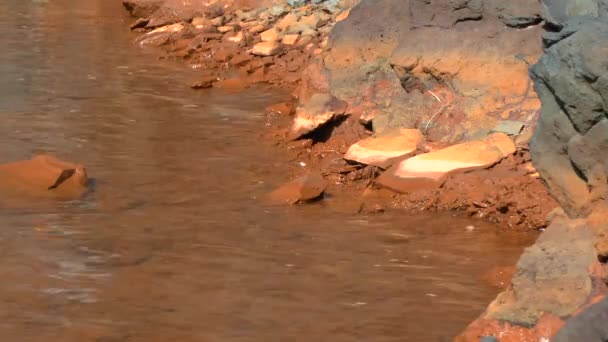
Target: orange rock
[(380, 151), (306, 188), (343, 15), (317, 111), (43, 176), (431, 169), (267, 49)]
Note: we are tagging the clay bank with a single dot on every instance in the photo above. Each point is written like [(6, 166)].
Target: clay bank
[(494, 109)]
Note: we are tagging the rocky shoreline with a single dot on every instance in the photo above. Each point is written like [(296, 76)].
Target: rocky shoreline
[(482, 107)]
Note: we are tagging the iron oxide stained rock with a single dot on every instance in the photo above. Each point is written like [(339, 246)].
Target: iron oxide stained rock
[(303, 189), (43, 176), (383, 150), (320, 109), (429, 171), (267, 49)]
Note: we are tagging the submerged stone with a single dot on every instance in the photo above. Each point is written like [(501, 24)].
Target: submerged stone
[(305, 188)]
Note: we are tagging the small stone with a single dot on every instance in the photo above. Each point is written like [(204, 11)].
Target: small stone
[(309, 33), (303, 41), (303, 189), (238, 38), (343, 15), (313, 21), (509, 127), (225, 29), (205, 82), (219, 21), (42, 176), (200, 21), (271, 35), (290, 39), (267, 49), (241, 59), (289, 20), (257, 29), (277, 11)]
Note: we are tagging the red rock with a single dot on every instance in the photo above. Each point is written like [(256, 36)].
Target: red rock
[(204, 82), (290, 39), (303, 189), (380, 151), (430, 170), (43, 176), (317, 111), (267, 49)]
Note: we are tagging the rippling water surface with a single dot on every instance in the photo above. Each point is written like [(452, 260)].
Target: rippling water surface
[(173, 244)]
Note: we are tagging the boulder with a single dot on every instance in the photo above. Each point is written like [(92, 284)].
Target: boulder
[(381, 151), (431, 169), (303, 189), (552, 276), (589, 326), (569, 143), (43, 176), (320, 109)]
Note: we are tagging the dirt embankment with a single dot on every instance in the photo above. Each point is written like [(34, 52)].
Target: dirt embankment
[(429, 105), (347, 90)]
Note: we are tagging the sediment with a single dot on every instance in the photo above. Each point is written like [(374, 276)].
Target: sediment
[(493, 109)]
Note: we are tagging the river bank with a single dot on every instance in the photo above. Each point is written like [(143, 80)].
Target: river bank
[(427, 106), (222, 40)]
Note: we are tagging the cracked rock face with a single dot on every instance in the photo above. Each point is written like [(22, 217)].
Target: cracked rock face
[(571, 79), (462, 65)]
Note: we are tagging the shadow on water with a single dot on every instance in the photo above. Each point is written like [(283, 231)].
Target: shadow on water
[(172, 245)]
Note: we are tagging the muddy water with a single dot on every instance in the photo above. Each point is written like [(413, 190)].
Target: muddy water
[(173, 243)]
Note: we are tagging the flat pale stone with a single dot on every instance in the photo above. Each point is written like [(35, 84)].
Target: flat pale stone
[(343, 15), (430, 170), (270, 35), (290, 39), (509, 127), (169, 28), (381, 151), (225, 29), (257, 29), (267, 49), (238, 38)]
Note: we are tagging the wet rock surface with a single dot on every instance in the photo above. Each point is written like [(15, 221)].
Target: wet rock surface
[(306, 188), (43, 176)]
